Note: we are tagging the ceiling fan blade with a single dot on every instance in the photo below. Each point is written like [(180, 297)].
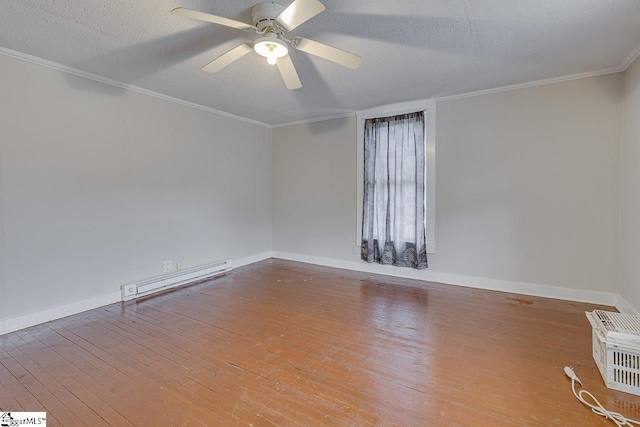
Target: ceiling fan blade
[(212, 18), (288, 73), (299, 12), (327, 52), (226, 59)]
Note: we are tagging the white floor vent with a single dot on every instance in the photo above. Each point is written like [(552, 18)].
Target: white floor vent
[(166, 281)]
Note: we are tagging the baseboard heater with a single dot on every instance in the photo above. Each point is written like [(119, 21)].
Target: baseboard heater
[(178, 278)]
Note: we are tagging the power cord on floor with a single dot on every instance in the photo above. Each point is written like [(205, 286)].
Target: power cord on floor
[(596, 406)]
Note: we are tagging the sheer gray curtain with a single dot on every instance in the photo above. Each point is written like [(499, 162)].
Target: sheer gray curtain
[(393, 220)]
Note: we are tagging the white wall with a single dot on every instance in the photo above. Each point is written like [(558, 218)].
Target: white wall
[(99, 185), (630, 195), (527, 186), (314, 188)]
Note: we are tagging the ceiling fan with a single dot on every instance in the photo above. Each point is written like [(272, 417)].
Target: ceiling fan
[(273, 21)]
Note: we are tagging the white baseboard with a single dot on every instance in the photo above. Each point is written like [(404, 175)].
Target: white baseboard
[(252, 259), (624, 306), (604, 298), (10, 324)]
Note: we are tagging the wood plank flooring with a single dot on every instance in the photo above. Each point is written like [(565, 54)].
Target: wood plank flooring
[(279, 343)]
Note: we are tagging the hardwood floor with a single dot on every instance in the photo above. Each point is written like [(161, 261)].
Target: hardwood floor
[(288, 344)]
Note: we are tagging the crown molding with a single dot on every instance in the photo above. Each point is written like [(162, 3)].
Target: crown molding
[(396, 108), (516, 86), (319, 119), (633, 55), (97, 78), (531, 84)]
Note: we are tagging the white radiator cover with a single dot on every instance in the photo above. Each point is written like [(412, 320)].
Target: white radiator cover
[(178, 278)]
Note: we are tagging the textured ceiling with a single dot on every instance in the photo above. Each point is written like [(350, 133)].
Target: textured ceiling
[(412, 49)]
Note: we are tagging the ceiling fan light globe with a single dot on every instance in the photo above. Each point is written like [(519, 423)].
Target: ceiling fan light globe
[(270, 46), (272, 60)]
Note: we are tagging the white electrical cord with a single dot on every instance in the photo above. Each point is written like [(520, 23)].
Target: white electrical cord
[(597, 407)]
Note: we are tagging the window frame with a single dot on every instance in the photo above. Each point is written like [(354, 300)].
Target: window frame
[(429, 108)]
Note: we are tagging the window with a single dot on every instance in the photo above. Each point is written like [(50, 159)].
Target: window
[(386, 114)]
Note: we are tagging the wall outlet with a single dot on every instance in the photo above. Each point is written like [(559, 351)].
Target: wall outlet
[(167, 266), (179, 265)]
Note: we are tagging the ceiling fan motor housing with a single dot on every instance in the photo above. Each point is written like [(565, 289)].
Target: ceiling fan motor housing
[(264, 14), (272, 21)]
